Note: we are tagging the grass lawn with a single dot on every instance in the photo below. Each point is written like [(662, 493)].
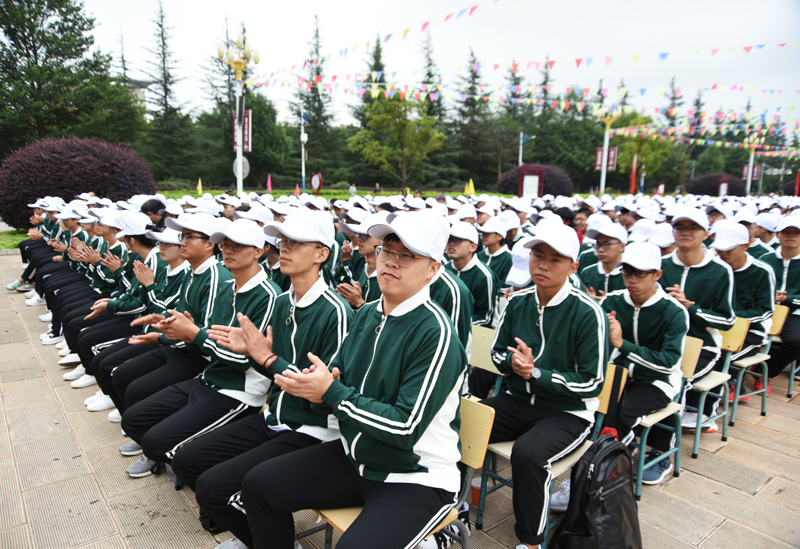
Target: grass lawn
[(11, 239), (342, 194)]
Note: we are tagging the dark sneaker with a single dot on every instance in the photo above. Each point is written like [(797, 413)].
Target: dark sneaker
[(659, 471)]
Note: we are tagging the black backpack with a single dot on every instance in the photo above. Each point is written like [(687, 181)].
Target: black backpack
[(602, 511)]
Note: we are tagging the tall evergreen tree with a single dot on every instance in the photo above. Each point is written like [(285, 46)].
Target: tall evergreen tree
[(516, 91), (434, 108), (471, 114), (623, 102), (374, 65), (675, 98)]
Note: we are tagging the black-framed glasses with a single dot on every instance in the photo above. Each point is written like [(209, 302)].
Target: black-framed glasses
[(361, 237), (189, 237), (292, 244), (604, 245), (628, 272), (454, 240), (401, 258), (230, 246)]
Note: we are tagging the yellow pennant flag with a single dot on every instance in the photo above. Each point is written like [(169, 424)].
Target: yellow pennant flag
[(199, 187), (469, 188)]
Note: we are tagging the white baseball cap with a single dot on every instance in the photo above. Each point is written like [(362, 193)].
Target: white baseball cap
[(69, 213), (612, 230), (256, 213), (305, 226), (640, 231), (510, 219), (465, 211), (643, 256), (167, 236), (789, 221), (562, 238), (721, 208), (132, 223), (729, 234), (356, 214), (520, 273), (494, 225), (421, 232), (467, 231), (230, 200), (319, 202), (172, 209), (242, 231), (202, 223), (767, 221), (690, 214), (661, 235), (486, 209), (369, 221), (40, 203)]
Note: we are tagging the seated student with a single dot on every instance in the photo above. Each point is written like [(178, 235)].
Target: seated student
[(477, 277), (703, 284), (753, 286), (36, 243), (757, 245), (231, 385), (605, 276), (785, 262), (366, 288), (352, 262), (662, 236), (318, 321), (495, 253), (766, 227), (647, 334), (399, 446), (551, 345), (588, 255)]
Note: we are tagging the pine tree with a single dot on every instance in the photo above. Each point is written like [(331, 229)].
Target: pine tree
[(698, 106), (671, 113), (475, 155), (374, 65), (516, 91), (434, 108), (623, 102)]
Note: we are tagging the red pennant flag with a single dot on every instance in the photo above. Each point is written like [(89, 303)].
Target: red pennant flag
[(317, 79), (425, 26), (580, 106), (448, 17), (403, 95), (485, 97), (587, 91), (781, 45), (416, 96), (496, 67), (502, 100), (578, 62), (566, 106), (472, 10), (553, 104), (550, 64), (333, 78), (514, 67), (714, 87), (747, 49), (568, 89)]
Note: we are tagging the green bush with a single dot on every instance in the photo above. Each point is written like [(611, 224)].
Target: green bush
[(175, 184), (341, 185)]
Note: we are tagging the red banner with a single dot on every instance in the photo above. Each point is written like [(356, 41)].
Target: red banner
[(247, 132)]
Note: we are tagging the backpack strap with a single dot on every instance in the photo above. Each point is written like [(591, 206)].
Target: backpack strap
[(614, 409)]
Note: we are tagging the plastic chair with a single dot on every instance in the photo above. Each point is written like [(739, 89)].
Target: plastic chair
[(691, 352), (482, 342), (476, 426), (743, 366), (793, 367)]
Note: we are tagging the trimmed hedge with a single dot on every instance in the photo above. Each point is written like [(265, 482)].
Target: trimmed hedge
[(709, 184), (67, 167), (556, 181)]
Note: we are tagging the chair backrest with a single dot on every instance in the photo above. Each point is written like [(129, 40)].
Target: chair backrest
[(476, 426), (733, 339), (778, 319), (482, 340), (691, 354), (607, 383)]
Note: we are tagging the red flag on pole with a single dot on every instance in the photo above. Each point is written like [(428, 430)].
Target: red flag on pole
[(633, 175), (797, 183), (269, 182)]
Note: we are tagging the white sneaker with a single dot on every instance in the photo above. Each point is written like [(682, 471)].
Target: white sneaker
[(72, 375), (83, 381), (114, 416), (560, 500), (689, 420), (47, 334), (101, 404), (69, 360), (62, 345), (52, 340), (64, 352), (35, 301), (47, 317), (94, 397), (30, 293)]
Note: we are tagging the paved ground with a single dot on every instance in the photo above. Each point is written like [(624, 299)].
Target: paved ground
[(62, 481)]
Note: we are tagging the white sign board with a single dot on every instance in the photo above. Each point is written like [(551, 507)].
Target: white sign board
[(530, 186)]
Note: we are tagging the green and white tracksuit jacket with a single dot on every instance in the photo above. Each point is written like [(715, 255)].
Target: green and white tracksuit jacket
[(230, 373), (165, 291), (349, 269), (653, 336), (370, 290), (130, 302), (398, 397), (454, 297), (484, 286), (317, 324), (710, 285), (595, 276), (758, 248), (589, 257), (754, 298), (569, 341), (274, 273), (106, 281), (499, 262), (787, 278), (199, 293)]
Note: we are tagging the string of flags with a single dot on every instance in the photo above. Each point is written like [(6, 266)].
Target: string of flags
[(760, 150)]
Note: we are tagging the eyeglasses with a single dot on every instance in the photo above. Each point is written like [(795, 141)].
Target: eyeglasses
[(686, 229), (604, 245), (292, 244), (628, 272), (230, 246), (361, 237), (189, 237), (401, 258), (454, 240)]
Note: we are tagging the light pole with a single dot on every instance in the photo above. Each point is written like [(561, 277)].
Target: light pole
[(752, 141), (522, 140), (303, 141), (237, 60), (606, 116)]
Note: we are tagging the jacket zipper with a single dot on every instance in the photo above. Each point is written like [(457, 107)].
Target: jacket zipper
[(378, 331)]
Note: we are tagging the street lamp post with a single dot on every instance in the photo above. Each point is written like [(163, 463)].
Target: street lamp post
[(303, 141), (752, 142), (606, 116), (237, 59)]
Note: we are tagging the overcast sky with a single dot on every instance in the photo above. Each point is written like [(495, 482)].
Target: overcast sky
[(499, 31)]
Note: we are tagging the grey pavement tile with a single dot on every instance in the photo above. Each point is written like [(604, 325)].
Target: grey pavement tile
[(738, 506), (72, 400), (37, 421), (504, 533), (6, 454), (15, 352), (2, 409), (767, 438), (18, 374), (93, 429), (27, 392), (733, 534), (783, 492), (68, 513), (112, 542), (16, 538), (55, 373), (17, 335), (158, 516), (732, 473), (12, 512), (782, 424), (710, 442), (109, 467), (655, 538), (760, 458), (498, 508), (677, 517), (51, 459)]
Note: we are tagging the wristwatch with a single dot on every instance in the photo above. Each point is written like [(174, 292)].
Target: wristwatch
[(536, 373)]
